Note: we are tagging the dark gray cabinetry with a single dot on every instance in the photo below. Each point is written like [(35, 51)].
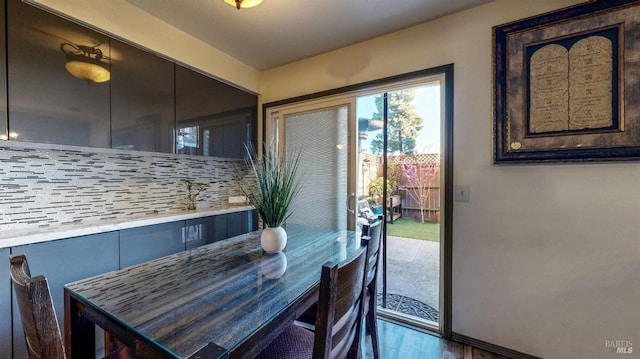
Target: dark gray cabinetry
[(238, 223), (145, 243), (137, 109), (5, 305), (65, 261), (4, 134), (201, 231), (46, 103), (212, 118), (142, 108)]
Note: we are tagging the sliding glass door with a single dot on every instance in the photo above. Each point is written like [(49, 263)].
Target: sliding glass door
[(379, 151)]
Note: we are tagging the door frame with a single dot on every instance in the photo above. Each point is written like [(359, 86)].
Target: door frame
[(446, 254)]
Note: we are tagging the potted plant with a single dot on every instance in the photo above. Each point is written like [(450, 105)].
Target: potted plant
[(193, 190), (271, 188)]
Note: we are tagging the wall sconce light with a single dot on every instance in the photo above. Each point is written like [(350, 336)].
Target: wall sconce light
[(243, 3), (12, 136), (86, 62)]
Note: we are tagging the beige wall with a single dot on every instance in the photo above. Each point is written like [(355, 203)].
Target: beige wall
[(546, 257)]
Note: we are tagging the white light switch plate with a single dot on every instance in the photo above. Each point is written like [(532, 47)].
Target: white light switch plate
[(461, 193)]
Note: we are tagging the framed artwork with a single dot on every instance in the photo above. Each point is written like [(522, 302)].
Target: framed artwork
[(567, 85)]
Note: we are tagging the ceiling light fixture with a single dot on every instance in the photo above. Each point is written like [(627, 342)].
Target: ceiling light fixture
[(243, 3), (86, 62)]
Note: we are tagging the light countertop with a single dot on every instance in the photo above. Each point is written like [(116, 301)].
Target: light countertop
[(44, 234)]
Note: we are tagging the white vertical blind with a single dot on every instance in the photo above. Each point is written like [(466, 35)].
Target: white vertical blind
[(322, 135)]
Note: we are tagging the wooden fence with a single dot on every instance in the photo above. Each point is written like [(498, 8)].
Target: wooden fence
[(410, 205)]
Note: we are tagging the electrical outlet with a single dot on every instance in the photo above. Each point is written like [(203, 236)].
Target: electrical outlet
[(461, 193)]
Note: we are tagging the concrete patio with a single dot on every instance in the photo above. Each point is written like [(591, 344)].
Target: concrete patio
[(413, 270)]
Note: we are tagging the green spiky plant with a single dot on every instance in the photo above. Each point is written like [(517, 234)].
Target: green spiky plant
[(273, 185)]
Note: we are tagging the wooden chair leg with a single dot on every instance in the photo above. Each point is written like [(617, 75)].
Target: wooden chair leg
[(109, 345), (371, 324)]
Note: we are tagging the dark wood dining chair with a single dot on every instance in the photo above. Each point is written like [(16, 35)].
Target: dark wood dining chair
[(39, 321), (373, 232), (340, 312)]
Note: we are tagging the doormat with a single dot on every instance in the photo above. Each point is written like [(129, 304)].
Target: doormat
[(409, 306)]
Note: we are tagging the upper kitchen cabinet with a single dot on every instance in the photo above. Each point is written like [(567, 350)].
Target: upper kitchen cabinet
[(46, 102), (142, 101), (4, 129), (212, 118)]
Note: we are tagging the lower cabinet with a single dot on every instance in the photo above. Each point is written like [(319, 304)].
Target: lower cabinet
[(141, 244), (201, 231), (65, 261)]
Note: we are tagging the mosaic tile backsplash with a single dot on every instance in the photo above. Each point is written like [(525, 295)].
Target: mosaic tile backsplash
[(47, 185)]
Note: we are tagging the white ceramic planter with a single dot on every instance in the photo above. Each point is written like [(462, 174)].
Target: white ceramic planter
[(273, 240)]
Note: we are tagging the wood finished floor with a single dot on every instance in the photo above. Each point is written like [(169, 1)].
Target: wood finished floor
[(399, 342)]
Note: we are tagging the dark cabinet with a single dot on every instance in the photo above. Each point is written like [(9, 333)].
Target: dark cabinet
[(201, 231), (4, 126), (5, 305), (65, 261), (148, 103), (46, 103), (212, 118), (142, 108), (145, 243)]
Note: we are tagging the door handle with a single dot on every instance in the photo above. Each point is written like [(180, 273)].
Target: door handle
[(349, 208)]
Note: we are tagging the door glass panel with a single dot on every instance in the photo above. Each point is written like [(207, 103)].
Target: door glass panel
[(322, 135), (409, 286)]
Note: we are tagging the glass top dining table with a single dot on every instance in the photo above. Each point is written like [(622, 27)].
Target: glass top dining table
[(226, 299)]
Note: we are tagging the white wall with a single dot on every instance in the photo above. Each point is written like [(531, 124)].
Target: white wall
[(546, 257)]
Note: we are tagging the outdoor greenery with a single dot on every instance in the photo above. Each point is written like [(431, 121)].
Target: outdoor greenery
[(413, 228), (403, 123)]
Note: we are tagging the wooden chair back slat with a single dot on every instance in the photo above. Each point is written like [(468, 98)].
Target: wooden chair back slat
[(340, 308), (39, 321), (374, 233)]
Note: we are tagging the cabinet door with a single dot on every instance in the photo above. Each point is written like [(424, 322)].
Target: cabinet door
[(201, 231), (142, 102), (5, 305), (235, 223), (65, 261), (212, 118), (4, 134), (141, 244), (48, 104)]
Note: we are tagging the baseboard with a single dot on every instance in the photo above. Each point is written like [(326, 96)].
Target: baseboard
[(506, 352)]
